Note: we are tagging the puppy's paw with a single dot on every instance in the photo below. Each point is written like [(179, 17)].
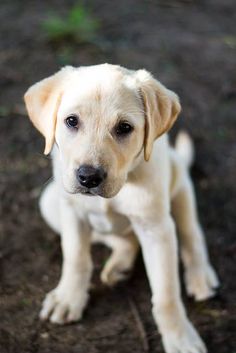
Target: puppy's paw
[(201, 282), (185, 340), (120, 263), (63, 306), (110, 276), (118, 267)]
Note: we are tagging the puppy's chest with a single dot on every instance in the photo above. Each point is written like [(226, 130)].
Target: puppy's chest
[(102, 216), (108, 223)]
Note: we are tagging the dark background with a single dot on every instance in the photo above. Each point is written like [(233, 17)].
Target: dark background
[(191, 47)]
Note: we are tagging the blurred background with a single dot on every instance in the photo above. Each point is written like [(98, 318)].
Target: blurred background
[(188, 45)]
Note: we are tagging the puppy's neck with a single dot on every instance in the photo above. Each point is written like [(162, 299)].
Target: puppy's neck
[(138, 170)]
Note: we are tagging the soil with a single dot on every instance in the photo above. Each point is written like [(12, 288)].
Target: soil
[(191, 47)]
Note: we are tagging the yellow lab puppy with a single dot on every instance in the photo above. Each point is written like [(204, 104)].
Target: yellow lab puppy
[(111, 179)]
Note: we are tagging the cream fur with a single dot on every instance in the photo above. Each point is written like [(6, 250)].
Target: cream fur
[(137, 197)]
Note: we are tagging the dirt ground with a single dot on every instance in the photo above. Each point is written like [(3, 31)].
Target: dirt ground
[(191, 47)]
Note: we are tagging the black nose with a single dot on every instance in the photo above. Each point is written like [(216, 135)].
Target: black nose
[(89, 176)]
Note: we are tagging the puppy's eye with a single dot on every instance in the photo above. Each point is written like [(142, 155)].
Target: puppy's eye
[(123, 128), (72, 121)]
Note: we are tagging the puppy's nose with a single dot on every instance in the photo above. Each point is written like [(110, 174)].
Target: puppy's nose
[(90, 177)]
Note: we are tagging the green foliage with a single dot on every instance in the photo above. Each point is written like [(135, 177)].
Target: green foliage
[(79, 25)]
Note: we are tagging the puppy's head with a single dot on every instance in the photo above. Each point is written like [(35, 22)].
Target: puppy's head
[(102, 118)]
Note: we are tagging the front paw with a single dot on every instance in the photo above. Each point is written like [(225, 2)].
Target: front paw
[(62, 305), (185, 340)]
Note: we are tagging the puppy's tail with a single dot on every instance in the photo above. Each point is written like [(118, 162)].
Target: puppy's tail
[(185, 148)]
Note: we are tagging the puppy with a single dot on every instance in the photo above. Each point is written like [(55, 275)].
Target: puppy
[(117, 180)]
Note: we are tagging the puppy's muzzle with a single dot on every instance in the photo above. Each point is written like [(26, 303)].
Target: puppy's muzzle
[(90, 177)]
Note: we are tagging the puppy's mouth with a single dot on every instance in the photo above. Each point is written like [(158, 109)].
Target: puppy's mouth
[(99, 191), (89, 192)]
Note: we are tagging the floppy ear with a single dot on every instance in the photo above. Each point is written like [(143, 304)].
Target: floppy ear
[(161, 107), (42, 102)]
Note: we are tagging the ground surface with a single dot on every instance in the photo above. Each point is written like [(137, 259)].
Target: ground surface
[(191, 47)]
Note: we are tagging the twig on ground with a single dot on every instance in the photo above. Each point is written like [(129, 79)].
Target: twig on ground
[(139, 323)]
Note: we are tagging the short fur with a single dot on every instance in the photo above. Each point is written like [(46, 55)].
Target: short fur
[(147, 182)]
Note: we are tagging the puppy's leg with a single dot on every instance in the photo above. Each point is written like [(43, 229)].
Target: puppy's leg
[(49, 206), (200, 277), (120, 263), (159, 247), (67, 301)]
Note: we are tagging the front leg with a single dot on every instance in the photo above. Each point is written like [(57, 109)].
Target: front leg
[(67, 301), (159, 247)]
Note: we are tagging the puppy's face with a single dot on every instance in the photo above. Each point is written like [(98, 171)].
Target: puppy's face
[(101, 118), (99, 131)]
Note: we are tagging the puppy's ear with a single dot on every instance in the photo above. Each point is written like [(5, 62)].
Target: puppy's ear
[(161, 107), (42, 102)]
